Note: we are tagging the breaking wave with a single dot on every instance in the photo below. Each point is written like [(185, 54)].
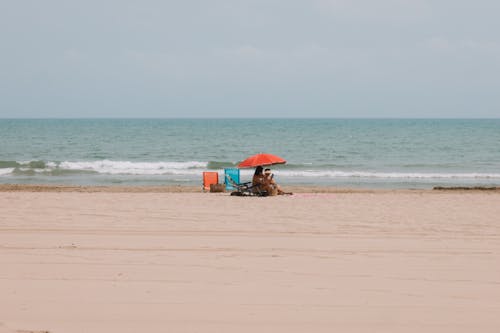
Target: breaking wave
[(135, 168), (193, 168), (387, 175), (102, 167)]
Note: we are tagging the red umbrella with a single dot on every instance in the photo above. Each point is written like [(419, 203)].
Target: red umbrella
[(261, 159)]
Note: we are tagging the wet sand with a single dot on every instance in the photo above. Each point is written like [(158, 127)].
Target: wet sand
[(138, 260)]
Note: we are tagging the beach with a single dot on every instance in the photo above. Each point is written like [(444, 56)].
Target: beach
[(112, 259), (123, 124)]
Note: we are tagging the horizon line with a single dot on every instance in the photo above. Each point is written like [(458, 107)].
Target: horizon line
[(249, 118)]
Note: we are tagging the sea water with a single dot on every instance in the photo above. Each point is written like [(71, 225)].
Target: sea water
[(374, 153)]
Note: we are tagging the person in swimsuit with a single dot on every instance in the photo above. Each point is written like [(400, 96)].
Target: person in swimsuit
[(263, 179), (270, 183), (258, 180)]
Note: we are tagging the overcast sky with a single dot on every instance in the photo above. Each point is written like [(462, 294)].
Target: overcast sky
[(231, 58)]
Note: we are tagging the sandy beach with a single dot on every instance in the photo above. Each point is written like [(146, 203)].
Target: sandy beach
[(108, 260)]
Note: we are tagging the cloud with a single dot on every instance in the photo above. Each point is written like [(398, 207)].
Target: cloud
[(198, 54), (486, 46), (438, 43), (241, 52), (379, 10), (462, 45)]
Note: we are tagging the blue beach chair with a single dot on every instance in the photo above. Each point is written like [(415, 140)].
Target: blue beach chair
[(233, 174), (245, 189)]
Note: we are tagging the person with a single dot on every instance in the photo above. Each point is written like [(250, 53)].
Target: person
[(258, 180), (263, 180), (270, 183)]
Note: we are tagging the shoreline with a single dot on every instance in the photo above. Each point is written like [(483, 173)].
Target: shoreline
[(198, 189)]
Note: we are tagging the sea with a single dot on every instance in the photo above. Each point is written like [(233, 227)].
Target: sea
[(356, 153)]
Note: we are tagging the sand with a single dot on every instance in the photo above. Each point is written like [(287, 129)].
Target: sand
[(156, 261)]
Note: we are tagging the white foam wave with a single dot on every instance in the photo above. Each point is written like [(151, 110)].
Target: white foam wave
[(136, 168), (6, 171), (191, 169), (387, 175)]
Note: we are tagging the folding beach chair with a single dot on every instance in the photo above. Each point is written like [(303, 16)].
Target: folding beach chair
[(209, 177), (246, 189), (235, 176)]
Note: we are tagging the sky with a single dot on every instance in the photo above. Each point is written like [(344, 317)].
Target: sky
[(244, 59)]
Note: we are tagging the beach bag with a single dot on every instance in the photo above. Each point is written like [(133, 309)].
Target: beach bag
[(217, 188)]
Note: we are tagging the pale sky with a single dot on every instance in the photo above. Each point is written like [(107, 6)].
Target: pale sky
[(261, 58)]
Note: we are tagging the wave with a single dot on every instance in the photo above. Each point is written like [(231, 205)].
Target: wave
[(136, 168), (195, 168), (387, 175), (27, 164), (31, 168), (9, 164), (6, 171)]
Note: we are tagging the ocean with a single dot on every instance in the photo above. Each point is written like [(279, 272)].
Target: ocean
[(366, 153)]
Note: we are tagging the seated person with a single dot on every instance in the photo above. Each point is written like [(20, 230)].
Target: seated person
[(258, 180), (270, 183), (263, 179)]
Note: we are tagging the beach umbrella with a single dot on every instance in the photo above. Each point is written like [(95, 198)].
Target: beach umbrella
[(261, 160)]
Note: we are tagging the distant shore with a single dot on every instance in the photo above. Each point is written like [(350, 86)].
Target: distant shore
[(196, 189)]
